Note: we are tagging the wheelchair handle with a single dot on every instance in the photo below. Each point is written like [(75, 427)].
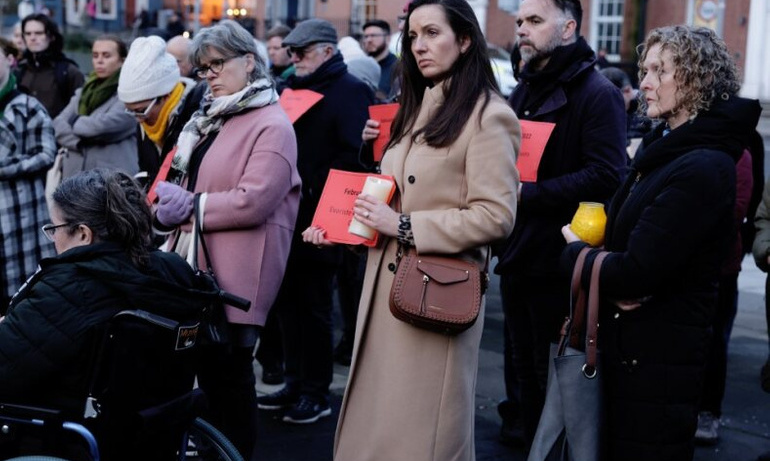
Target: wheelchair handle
[(234, 300)]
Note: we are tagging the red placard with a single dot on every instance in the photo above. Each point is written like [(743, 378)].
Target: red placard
[(161, 176), (534, 137), (383, 113), (335, 208), (297, 102)]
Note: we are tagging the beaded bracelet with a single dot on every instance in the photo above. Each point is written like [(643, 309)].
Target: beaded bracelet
[(405, 235)]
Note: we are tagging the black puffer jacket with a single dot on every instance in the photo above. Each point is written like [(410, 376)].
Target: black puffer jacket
[(55, 321), (668, 230)]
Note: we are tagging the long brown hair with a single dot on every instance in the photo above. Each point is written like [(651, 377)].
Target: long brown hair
[(470, 77)]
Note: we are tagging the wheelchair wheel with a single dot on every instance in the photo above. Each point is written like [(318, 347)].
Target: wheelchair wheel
[(204, 442)]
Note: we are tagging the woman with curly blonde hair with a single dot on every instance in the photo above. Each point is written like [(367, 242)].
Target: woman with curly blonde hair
[(667, 232)]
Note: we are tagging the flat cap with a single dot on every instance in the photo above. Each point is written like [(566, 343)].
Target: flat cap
[(311, 31)]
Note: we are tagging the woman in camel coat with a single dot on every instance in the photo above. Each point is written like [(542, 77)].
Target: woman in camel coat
[(411, 391)]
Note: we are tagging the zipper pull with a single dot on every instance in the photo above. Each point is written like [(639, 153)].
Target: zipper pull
[(425, 280)]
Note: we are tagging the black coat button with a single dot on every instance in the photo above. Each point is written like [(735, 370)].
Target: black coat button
[(392, 267), (410, 179)]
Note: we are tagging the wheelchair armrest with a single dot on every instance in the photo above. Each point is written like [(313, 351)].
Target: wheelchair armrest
[(25, 412), (155, 319)]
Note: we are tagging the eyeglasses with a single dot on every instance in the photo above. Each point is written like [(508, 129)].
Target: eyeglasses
[(371, 36), (300, 52), (215, 66), (144, 113), (50, 229)]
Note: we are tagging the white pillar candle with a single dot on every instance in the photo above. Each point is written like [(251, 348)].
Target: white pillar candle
[(376, 187)]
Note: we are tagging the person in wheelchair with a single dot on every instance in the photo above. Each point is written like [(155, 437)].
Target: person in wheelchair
[(53, 336)]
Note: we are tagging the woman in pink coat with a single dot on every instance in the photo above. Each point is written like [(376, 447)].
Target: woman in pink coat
[(238, 152)]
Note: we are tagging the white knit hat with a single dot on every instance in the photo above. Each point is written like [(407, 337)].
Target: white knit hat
[(367, 70), (350, 49), (148, 71)]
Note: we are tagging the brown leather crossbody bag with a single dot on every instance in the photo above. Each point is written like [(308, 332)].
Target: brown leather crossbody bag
[(437, 293)]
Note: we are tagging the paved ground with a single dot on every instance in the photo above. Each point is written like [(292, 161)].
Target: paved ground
[(746, 421)]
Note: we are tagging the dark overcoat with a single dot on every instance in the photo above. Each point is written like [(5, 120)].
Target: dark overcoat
[(668, 230), (584, 159)]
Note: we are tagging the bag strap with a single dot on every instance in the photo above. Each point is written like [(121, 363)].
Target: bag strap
[(589, 369), (573, 324), (578, 296), (198, 235)]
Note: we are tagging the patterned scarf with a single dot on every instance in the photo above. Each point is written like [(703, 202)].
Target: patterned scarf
[(210, 118)]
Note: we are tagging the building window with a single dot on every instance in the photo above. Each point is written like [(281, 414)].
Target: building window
[(510, 6), (706, 13), (370, 9), (607, 27)]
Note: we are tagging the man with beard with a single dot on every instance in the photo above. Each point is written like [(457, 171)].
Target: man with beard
[(583, 160), (44, 72), (376, 36)]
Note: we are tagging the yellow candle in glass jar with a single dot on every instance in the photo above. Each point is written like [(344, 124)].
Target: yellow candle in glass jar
[(589, 223)]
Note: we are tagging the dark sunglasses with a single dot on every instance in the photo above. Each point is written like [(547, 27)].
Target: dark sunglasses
[(300, 52)]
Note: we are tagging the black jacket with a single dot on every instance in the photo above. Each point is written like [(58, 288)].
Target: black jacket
[(50, 77), (668, 229), (584, 159), (328, 136), (54, 322)]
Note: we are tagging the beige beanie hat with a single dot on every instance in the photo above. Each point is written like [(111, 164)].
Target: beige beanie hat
[(148, 71)]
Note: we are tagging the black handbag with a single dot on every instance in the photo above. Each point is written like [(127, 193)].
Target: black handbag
[(572, 425), (215, 329)]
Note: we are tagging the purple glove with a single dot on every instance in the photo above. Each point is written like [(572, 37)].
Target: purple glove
[(175, 205)]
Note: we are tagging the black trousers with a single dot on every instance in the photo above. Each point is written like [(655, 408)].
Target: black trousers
[(270, 350), (534, 308), (226, 375), (350, 280), (304, 309), (722, 327)]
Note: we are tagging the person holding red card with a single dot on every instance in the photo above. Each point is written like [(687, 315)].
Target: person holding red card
[(452, 153)]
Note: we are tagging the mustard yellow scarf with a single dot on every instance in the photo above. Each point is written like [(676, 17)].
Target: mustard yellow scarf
[(158, 130)]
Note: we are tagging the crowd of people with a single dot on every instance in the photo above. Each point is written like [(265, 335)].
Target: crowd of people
[(168, 140)]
